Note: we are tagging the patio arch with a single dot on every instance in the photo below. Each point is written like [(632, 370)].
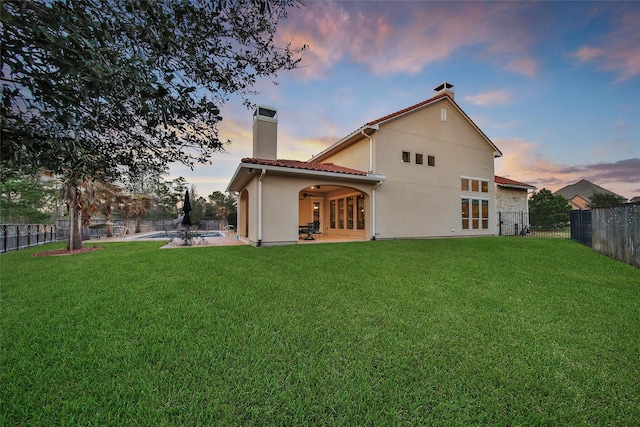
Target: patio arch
[(336, 209)]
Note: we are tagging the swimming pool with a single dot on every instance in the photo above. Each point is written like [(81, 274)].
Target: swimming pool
[(174, 234)]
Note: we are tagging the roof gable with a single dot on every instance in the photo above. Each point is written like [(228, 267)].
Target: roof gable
[(583, 188), (375, 124)]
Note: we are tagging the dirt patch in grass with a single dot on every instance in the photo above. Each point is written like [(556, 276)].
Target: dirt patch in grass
[(63, 252)]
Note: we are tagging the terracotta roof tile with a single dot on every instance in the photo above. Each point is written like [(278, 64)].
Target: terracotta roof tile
[(506, 181), (296, 164)]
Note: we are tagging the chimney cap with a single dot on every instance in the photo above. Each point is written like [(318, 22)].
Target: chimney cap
[(264, 111), (446, 86)]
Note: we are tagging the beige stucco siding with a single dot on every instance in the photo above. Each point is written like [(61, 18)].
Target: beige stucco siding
[(421, 200), (355, 156)]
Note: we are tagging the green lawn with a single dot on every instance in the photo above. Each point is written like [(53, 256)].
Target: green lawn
[(486, 331)]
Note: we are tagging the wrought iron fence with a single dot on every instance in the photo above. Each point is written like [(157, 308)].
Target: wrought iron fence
[(581, 229), (548, 225)]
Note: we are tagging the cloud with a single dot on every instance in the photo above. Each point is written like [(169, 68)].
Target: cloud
[(523, 162), (619, 50), (407, 38), (525, 66), (485, 99)]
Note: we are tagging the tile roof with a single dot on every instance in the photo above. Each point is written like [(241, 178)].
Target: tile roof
[(296, 164), (510, 182)]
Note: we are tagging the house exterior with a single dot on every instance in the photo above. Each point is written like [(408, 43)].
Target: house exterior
[(579, 194), (424, 171)]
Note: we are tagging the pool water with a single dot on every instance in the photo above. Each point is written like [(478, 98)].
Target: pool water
[(173, 234)]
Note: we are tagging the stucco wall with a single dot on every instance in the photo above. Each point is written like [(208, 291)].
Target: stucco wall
[(421, 200)]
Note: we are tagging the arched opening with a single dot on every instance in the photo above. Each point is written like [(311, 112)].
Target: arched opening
[(334, 211)]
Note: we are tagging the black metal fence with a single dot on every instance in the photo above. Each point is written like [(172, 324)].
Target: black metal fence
[(581, 229), (19, 236), (547, 225)]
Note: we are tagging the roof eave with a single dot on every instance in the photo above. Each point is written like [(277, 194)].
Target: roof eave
[(238, 183)]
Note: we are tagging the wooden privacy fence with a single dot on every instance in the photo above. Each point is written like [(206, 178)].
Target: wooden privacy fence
[(616, 232), (19, 236)]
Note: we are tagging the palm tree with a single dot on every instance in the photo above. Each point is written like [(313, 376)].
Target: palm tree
[(222, 213)]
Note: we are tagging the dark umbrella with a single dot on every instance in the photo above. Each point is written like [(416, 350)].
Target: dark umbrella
[(186, 207)]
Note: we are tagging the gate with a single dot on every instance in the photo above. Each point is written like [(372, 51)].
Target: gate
[(581, 226), (513, 223)]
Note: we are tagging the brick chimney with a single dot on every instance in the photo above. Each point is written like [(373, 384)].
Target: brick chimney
[(265, 132)]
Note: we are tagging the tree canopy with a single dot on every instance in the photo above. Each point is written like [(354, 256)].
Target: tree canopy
[(95, 88), (101, 89), (605, 200), (548, 210)]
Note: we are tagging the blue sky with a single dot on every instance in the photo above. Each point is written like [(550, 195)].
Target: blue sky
[(555, 85)]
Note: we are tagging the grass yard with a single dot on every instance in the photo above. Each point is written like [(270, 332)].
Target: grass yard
[(485, 331)]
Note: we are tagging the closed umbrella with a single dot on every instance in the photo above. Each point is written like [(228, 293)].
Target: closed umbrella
[(186, 207)]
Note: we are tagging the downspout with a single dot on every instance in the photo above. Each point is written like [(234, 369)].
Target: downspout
[(373, 211), (370, 150), (264, 171)]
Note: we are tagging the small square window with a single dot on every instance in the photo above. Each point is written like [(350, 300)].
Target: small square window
[(419, 159), (431, 160), (464, 184), (485, 186), (475, 185), (406, 157)]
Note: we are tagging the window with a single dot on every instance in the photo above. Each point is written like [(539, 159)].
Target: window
[(360, 208), (431, 160), (475, 214), (419, 159), (350, 207), (406, 157), (332, 214), (465, 214), (443, 114), (347, 212), (474, 184)]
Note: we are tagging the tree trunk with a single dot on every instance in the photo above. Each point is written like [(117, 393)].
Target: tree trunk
[(75, 218)]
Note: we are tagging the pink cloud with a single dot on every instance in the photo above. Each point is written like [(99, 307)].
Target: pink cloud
[(484, 99), (408, 38), (618, 51), (523, 162), (525, 66)]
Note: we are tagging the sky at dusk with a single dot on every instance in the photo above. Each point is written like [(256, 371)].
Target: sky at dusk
[(554, 85)]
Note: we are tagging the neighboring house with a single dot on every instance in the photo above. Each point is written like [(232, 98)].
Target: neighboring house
[(424, 171), (512, 205), (579, 194)]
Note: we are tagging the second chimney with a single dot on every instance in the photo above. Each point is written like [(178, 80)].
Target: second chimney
[(265, 132)]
